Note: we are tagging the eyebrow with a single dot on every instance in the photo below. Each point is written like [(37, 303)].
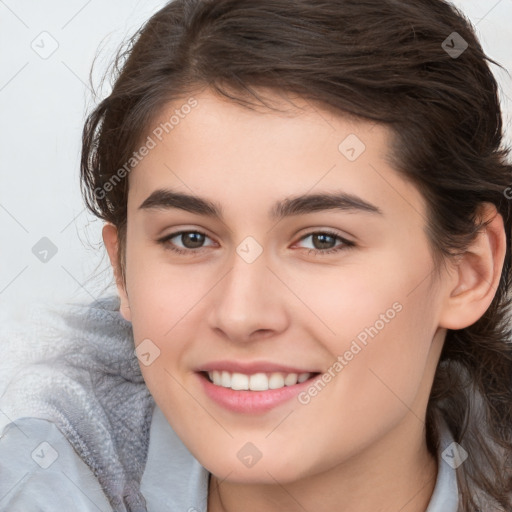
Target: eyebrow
[(164, 199)]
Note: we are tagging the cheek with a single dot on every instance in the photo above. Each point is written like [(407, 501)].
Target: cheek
[(382, 321), (363, 294), (163, 294), (379, 370)]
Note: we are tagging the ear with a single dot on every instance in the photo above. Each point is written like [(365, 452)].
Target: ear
[(111, 241), (477, 273)]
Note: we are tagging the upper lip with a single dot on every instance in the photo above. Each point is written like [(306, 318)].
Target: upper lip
[(250, 368)]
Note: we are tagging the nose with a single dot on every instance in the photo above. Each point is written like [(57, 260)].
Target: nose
[(249, 301)]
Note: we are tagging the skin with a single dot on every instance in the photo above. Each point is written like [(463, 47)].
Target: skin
[(359, 444)]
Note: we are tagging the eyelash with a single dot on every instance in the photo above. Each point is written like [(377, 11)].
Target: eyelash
[(347, 244)]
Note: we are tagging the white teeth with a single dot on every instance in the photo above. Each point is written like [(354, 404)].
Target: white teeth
[(290, 379), (225, 380), (303, 377), (257, 381), (276, 381), (239, 381)]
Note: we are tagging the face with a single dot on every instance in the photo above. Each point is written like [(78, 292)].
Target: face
[(303, 272)]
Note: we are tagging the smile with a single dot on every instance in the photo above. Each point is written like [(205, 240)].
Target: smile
[(252, 388), (256, 381)]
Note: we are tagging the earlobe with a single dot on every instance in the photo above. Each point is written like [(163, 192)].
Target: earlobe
[(477, 274), (111, 241)]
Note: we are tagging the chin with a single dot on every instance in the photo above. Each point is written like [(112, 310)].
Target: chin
[(260, 473)]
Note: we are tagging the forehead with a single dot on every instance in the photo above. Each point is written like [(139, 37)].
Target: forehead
[(209, 145)]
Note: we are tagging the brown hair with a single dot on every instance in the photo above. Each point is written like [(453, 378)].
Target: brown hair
[(380, 60)]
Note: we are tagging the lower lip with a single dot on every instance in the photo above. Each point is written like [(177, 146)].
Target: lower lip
[(251, 401)]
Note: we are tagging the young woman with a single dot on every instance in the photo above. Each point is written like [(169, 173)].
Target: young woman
[(307, 213)]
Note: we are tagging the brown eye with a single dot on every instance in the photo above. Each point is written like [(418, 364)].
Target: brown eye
[(192, 239), (184, 241), (324, 242)]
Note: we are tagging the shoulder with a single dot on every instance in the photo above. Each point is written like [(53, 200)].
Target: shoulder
[(41, 472)]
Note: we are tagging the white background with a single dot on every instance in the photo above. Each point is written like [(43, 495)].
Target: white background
[(43, 103)]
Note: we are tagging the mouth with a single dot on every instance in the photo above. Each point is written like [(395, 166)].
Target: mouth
[(253, 392), (261, 381)]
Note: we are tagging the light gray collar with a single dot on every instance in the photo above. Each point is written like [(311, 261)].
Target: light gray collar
[(445, 497)]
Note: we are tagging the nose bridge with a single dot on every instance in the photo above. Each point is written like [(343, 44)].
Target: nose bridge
[(246, 300)]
